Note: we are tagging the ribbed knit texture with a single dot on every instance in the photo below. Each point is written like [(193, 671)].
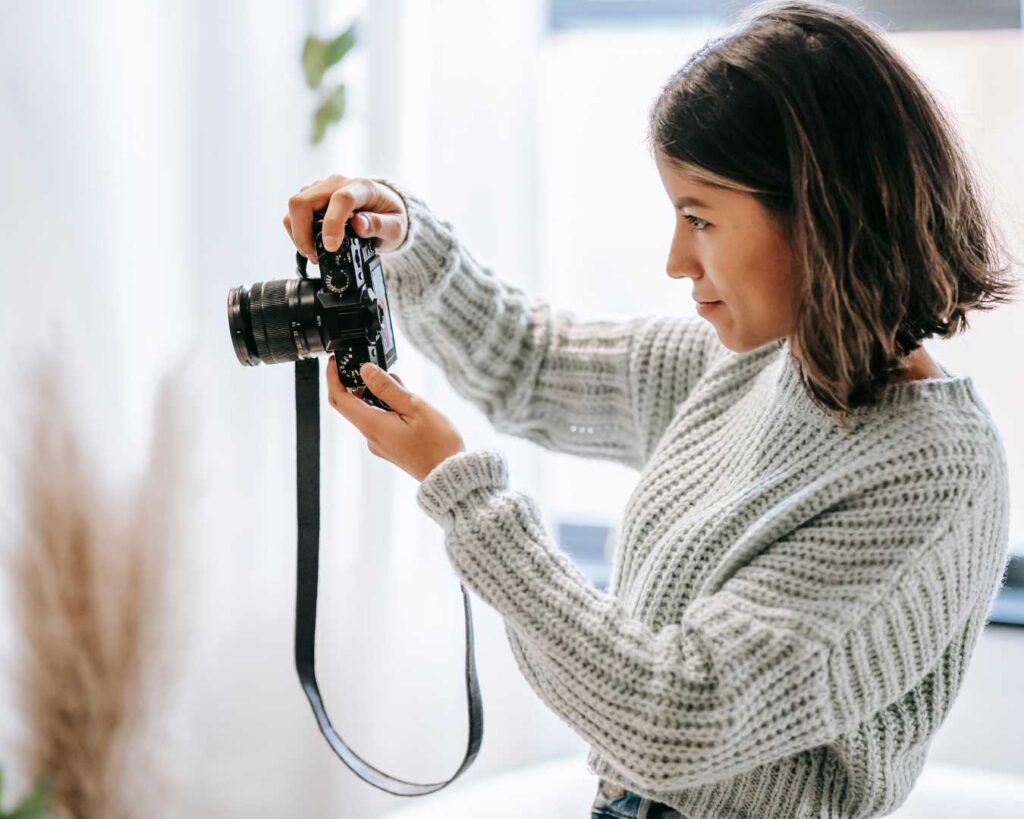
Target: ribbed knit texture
[(792, 605)]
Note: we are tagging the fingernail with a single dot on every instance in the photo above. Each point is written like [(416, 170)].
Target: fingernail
[(329, 242)]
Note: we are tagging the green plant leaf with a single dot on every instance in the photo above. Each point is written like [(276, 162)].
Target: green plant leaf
[(318, 55), (330, 110), (313, 60), (340, 46), (34, 806)]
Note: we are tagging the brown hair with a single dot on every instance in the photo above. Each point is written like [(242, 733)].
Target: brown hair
[(808, 108)]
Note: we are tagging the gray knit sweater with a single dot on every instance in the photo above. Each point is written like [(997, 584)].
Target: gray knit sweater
[(792, 605)]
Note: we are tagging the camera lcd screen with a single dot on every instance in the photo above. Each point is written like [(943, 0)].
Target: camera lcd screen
[(387, 334)]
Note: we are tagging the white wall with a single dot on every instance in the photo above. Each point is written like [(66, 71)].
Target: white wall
[(981, 730)]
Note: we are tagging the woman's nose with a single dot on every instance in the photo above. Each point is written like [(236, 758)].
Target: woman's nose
[(681, 264), (682, 267)]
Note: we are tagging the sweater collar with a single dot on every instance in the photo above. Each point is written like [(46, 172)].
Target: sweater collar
[(950, 388)]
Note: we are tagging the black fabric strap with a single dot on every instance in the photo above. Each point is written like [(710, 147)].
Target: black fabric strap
[(307, 417)]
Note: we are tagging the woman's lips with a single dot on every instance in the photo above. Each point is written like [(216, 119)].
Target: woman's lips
[(705, 307)]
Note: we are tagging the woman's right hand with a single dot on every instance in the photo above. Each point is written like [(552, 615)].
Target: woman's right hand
[(375, 209)]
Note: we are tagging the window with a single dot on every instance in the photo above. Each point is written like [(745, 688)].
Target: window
[(1008, 608), (588, 544), (892, 15)]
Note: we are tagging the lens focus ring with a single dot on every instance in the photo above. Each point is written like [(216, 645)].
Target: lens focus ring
[(271, 321)]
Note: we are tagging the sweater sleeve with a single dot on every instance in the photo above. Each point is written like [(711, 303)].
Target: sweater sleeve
[(603, 388), (811, 634)]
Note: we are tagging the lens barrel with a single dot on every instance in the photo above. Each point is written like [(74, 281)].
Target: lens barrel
[(274, 321)]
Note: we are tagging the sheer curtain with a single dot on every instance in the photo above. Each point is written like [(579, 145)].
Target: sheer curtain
[(150, 148)]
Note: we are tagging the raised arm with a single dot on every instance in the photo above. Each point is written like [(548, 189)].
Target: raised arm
[(603, 388), (824, 626)]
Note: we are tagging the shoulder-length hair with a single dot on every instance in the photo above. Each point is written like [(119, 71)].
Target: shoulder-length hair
[(808, 108)]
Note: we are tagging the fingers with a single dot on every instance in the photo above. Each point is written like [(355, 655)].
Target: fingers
[(299, 224), (287, 221), (362, 415), (354, 195), (387, 227), (364, 223), (388, 389), (372, 209), (299, 219)]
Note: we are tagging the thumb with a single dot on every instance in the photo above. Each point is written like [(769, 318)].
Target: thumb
[(388, 227), (387, 388)]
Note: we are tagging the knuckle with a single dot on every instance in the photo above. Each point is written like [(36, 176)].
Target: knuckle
[(296, 200), (343, 196)]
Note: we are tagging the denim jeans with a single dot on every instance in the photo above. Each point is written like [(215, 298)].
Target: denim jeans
[(615, 802)]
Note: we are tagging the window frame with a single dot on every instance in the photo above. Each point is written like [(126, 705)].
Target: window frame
[(891, 15)]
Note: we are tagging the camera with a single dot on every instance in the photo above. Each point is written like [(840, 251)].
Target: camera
[(345, 312)]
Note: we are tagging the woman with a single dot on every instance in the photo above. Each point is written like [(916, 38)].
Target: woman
[(821, 518)]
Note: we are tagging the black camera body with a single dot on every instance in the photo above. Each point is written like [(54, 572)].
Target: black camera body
[(345, 312)]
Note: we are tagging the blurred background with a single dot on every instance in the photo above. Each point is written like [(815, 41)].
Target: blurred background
[(147, 153)]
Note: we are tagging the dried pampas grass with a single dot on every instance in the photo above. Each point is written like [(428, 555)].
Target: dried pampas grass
[(90, 572)]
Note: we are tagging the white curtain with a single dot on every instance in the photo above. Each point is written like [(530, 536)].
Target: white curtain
[(149, 149)]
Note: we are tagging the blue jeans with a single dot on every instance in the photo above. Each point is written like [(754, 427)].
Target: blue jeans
[(615, 802)]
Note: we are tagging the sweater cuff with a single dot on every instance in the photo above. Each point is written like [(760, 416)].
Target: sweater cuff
[(417, 267), (461, 483)]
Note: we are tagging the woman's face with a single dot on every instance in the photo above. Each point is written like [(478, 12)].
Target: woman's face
[(737, 254)]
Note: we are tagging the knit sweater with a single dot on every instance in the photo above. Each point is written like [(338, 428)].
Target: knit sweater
[(792, 604)]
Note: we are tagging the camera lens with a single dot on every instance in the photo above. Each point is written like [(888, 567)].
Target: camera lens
[(274, 321), (241, 326)]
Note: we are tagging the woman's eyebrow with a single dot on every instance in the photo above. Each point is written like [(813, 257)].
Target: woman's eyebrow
[(683, 201)]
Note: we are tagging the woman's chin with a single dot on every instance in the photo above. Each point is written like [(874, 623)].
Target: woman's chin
[(739, 345)]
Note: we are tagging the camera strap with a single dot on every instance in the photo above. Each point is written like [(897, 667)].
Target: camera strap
[(307, 417)]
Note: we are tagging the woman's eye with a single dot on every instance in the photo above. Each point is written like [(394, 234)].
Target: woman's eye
[(700, 224)]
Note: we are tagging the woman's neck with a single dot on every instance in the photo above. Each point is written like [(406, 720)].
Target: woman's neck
[(919, 364)]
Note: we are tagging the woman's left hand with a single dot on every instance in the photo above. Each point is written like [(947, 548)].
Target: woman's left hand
[(413, 436)]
